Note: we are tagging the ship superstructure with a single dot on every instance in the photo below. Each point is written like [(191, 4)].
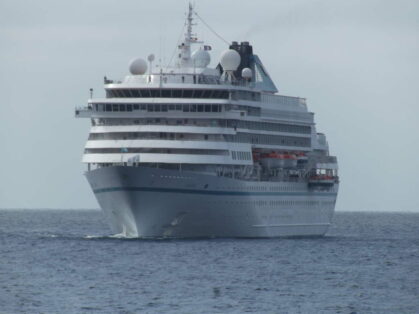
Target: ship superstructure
[(195, 151)]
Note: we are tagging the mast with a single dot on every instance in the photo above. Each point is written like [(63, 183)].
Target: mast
[(185, 46)]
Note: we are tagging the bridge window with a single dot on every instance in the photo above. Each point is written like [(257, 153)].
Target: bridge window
[(168, 93)]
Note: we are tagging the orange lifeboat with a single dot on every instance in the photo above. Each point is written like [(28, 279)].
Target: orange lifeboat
[(321, 180), (278, 160)]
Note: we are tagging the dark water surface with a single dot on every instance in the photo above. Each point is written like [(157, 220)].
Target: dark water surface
[(64, 262)]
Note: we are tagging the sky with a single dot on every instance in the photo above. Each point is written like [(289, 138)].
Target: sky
[(356, 62)]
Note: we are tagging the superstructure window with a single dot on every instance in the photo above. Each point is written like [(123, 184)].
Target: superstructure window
[(269, 139), (187, 93), (168, 93), (246, 95), (157, 107), (277, 127), (177, 93)]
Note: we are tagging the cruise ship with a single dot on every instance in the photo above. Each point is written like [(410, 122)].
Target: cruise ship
[(189, 150)]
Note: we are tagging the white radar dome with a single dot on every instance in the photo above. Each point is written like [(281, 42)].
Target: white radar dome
[(247, 73), (138, 66), (230, 60), (201, 58)]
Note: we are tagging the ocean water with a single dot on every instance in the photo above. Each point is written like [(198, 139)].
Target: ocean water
[(55, 261)]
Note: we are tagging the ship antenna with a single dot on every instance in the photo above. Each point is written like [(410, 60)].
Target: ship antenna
[(185, 47)]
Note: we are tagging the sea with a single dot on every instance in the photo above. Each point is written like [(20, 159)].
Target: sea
[(67, 261)]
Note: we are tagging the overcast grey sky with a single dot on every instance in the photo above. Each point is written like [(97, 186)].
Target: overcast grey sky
[(356, 62)]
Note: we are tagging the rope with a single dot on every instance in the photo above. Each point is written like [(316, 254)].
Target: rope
[(211, 29)]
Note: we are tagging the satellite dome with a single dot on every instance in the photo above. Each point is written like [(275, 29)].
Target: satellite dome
[(247, 73), (201, 58), (230, 60), (138, 66)]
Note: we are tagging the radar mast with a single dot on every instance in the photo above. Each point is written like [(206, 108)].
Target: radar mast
[(190, 38)]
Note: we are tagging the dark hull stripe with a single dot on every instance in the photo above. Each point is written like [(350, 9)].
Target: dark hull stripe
[(209, 192)]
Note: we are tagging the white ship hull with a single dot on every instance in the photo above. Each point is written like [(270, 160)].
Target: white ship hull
[(152, 203)]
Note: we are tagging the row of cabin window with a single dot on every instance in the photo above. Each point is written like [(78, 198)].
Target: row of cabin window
[(167, 93), (146, 150), (283, 202), (278, 127), (157, 108), (252, 125), (155, 135), (241, 155), (269, 139)]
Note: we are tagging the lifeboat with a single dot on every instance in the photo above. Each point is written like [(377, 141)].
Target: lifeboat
[(290, 160), (301, 158), (321, 180), (256, 156), (278, 160)]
